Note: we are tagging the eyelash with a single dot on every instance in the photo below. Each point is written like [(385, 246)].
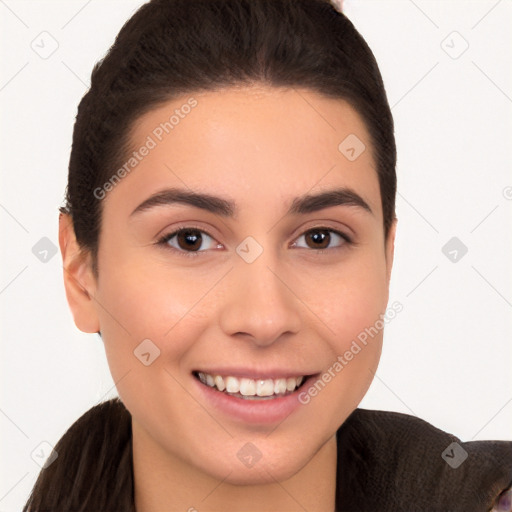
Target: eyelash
[(194, 254)]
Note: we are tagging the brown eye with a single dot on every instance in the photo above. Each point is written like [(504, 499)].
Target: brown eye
[(188, 240), (322, 238), (319, 238)]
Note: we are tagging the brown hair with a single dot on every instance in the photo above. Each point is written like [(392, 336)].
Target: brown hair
[(93, 468), (169, 48)]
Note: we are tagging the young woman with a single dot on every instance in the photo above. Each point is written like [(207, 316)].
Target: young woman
[(229, 233)]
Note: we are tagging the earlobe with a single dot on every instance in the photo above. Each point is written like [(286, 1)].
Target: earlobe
[(79, 280)]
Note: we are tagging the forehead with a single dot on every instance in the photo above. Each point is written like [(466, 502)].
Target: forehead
[(254, 144)]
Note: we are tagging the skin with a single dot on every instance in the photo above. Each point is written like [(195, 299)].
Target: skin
[(291, 308)]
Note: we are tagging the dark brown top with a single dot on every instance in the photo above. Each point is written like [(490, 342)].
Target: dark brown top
[(395, 462)]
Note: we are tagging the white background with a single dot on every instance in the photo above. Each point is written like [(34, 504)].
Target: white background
[(447, 356)]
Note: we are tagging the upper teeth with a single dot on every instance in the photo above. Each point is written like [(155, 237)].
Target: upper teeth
[(251, 387)]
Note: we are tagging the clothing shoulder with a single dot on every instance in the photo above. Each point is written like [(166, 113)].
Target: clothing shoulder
[(389, 461)]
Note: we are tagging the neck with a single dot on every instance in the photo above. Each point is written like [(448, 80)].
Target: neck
[(162, 482)]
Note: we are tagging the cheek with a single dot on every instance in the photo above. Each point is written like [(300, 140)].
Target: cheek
[(149, 322), (349, 298), (351, 301), (146, 302), (351, 307)]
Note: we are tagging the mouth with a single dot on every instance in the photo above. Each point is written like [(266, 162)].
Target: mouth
[(246, 388)]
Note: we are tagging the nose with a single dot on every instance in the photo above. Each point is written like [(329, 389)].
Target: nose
[(260, 304)]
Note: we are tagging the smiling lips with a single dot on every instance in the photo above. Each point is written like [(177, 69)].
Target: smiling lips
[(251, 389)]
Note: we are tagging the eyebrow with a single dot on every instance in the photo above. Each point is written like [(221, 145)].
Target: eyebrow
[(301, 205)]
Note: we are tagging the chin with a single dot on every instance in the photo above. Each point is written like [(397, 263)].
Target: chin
[(266, 465)]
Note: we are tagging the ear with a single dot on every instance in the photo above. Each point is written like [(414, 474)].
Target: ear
[(390, 248), (79, 279)]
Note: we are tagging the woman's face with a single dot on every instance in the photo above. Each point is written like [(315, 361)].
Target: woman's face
[(268, 285)]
